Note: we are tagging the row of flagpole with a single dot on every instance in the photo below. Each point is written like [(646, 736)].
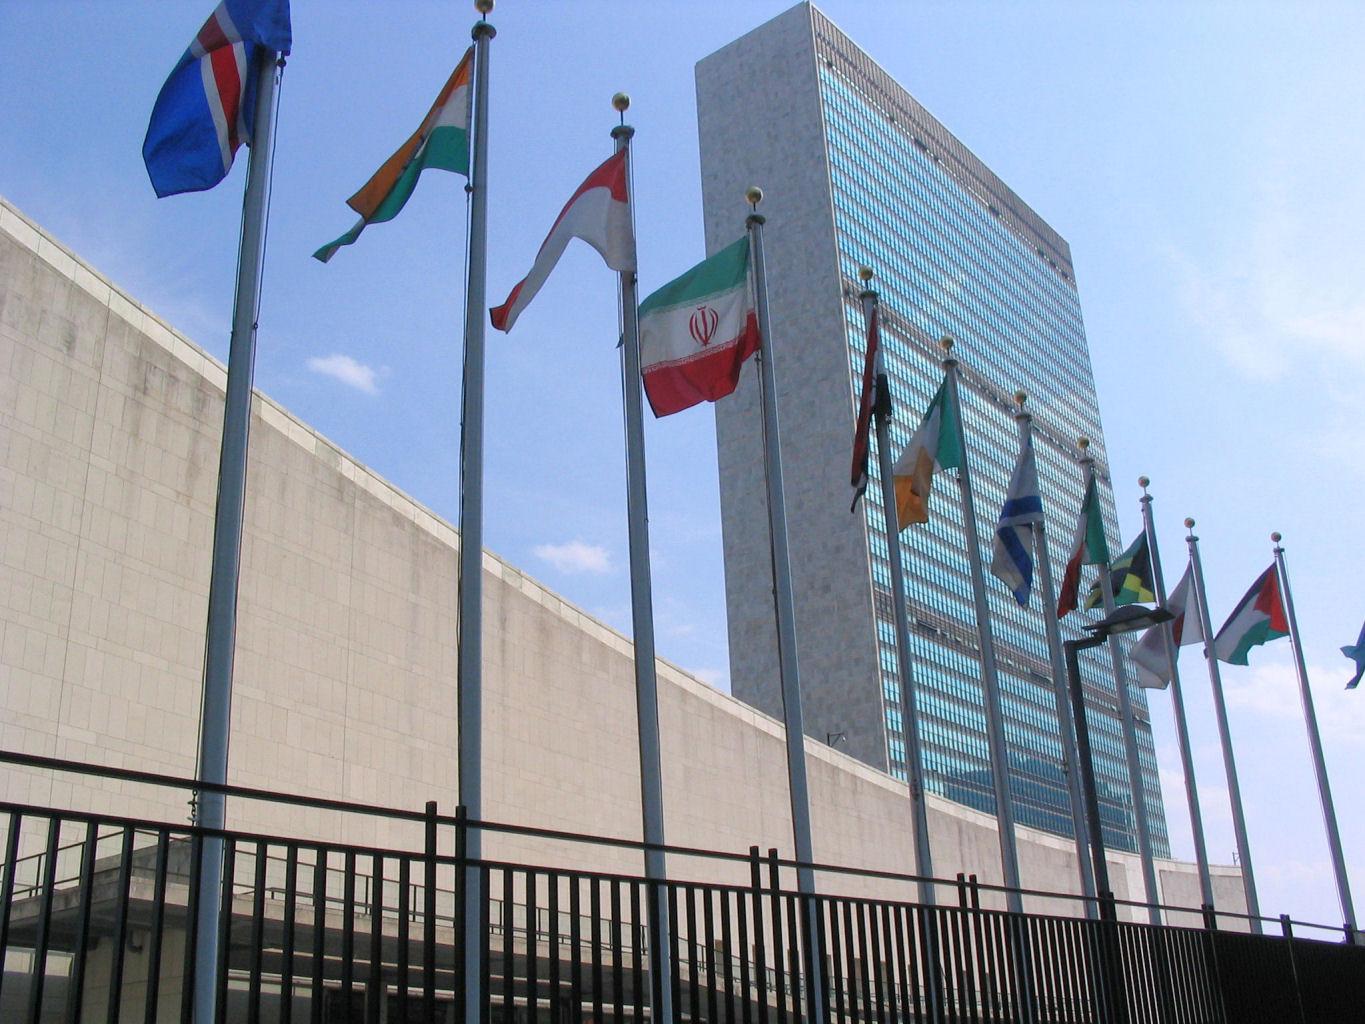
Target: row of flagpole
[(601, 213), (1021, 539)]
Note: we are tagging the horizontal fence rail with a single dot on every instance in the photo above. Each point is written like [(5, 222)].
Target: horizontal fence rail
[(95, 908)]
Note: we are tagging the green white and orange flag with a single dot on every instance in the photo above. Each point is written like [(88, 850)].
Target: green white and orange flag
[(1258, 618), (442, 142), (936, 445), (1089, 548)]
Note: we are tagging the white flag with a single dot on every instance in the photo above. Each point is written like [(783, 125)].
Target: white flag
[(1149, 653)]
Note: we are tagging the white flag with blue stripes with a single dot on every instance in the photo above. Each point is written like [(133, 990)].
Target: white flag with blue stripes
[(1012, 561)]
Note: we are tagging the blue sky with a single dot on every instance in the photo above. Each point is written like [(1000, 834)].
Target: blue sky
[(1202, 160)]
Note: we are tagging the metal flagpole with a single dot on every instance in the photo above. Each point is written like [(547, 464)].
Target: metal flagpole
[(990, 678), (221, 638), (1130, 747), (1239, 826), (914, 754), (786, 615), (1060, 696), (1182, 734), (469, 631), (642, 620), (1310, 721)]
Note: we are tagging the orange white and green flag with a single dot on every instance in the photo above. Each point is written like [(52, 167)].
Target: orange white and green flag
[(936, 445), (442, 142)]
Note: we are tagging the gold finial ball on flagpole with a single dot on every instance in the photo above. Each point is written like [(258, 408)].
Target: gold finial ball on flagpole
[(864, 274), (946, 343), (1143, 482), (753, 195), (1083, 443), (1275, 536), (1020, 397), (1189, 523), (620, 102), (484, 7)]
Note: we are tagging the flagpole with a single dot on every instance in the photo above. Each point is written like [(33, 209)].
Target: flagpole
[(1310, 721), (1239, 826), (786, 617), (1130, 748), (1061, 698), (642, 619), (221, 634), (990, 678), (914, 752), (469, 630), (1182, 733)]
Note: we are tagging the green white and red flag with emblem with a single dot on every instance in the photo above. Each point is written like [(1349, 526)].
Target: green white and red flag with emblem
[(697, 330)]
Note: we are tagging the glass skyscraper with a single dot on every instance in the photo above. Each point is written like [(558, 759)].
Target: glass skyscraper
[(857, 173)]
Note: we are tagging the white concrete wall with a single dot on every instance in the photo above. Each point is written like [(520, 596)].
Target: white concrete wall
[(109, 425)]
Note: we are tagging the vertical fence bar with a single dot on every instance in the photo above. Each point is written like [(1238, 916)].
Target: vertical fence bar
[(875, 959), (746, 956), (675, 949), (230, 869), (576, 941), (42, 931), (156, 931), (709, 932), (794, 944), (15, 824), (429, 916), (224, 895), (75, 991), (347, 930), (319, 933), (552, 911), (775, 909), (462, 908), (846, 987), (119, 940), (404, 932), (374, 989), (760, 959), (595, 909), (255, 952), (693, 972), (838, 920), (617, 967), (509, 928), (638, 942), (187, 986), (288, 932), (905, 975), (532, 930), (727, 953), (485, 898)]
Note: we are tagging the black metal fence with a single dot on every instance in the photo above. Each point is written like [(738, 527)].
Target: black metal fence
[(95, 915)]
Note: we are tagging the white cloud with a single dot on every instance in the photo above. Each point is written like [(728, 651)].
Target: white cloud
[(1272, 691), (575, 556), (1284, 292), (347, 370)]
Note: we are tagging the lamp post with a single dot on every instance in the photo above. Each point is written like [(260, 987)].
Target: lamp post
[(1127, 619)]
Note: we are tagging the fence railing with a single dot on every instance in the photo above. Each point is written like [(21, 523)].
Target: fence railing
[(95, 908)]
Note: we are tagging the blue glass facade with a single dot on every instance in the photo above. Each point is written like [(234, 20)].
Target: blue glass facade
[(948, 260)]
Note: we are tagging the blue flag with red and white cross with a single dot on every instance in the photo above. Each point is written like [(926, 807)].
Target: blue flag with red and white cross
[(205, 110)]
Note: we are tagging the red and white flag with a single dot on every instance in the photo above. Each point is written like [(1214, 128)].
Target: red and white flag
[(599, 213), (1149, 653)]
